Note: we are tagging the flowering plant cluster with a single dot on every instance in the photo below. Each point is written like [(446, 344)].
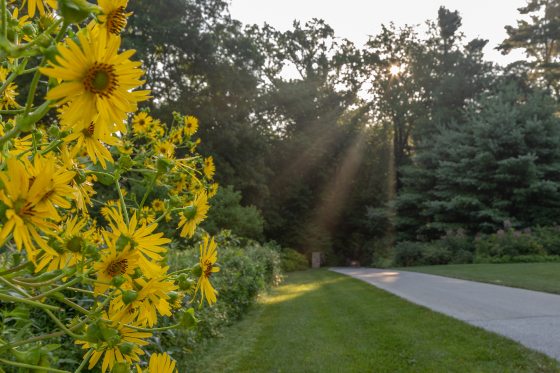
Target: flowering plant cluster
[(86, 183)]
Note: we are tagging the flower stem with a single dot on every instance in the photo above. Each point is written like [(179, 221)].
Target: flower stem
[(35, 368), (4, 19), (46, 307), (121, 197), (85, 360)]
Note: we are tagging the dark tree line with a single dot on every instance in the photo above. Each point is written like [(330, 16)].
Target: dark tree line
[(406, 137)]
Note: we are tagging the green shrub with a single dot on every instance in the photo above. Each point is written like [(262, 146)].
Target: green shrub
[(508, 244), (408, 253), (549, 238), (247, 268), (291, 261), (435, 253), (228, 213)]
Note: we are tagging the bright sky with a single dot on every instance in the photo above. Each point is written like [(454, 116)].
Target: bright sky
[(356, 19)]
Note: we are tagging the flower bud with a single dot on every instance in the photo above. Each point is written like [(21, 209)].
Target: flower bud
[(117, 281), (185, 283), (126, 348), (196, 270), (189, 212), (75, 11), (129, 296)]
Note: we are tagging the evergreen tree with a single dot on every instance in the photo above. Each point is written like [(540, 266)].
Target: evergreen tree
[(501, 164)]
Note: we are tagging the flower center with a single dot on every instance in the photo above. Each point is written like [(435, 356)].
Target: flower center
[(117, 267), (101, 79), (116, 20), (207, 268)]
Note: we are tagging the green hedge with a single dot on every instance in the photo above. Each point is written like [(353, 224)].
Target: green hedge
[(247, 269), (292, 260), (540, 244)]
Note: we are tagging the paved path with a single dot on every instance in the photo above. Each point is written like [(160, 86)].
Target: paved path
[(529, 317)]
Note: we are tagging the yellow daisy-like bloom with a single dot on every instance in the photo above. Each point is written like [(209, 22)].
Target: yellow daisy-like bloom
[(164, 148), (156, 130), (180, 184), (152, 298), (22, 195), (122, 348), (208, 258), (97, 81), (213, 190), (8, 97), (126, 147), (159, 363), (113, 16), (141, 122), (209, 169), (34, 5), (176, 136), (191, 125), (146, 216), (193, 215), (70, 246), (57, 189), (90, 139), (18, 144), (158, 205), (141, 238), (114, 263)]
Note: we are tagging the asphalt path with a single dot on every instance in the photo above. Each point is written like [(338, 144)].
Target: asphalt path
[(531, 318)]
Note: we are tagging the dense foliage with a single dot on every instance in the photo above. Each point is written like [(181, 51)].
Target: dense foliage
[(348, 149)]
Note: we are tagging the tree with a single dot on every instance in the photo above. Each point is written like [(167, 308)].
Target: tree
[(539, 36), (502, 164)]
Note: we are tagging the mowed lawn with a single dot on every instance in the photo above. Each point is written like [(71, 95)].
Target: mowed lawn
[(320, 321), (533, 276)]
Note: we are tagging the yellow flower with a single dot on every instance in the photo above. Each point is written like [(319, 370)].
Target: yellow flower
[(33, 5), (164, 148), (121, 347), (155, 130), (209, 169), (141, 122), (146, 216), (126, 147), (158, 205), (191, 125), (56, 188), (152, 298), (213, 190), (176, 136), (70, 246), (24, 219), (207, 261), (97, 82), (193, 215), (114, 263), (90, 139), (159, 363), (141, 238), (8, 98), (113, 16)]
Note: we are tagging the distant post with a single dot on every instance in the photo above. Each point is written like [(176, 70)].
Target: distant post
[(316, 259)]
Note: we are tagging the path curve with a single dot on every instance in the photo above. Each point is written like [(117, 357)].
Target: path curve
[(529, 317)]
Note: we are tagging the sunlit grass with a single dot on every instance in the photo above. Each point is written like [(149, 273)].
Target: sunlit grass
[(320, 321), (533, 276)]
